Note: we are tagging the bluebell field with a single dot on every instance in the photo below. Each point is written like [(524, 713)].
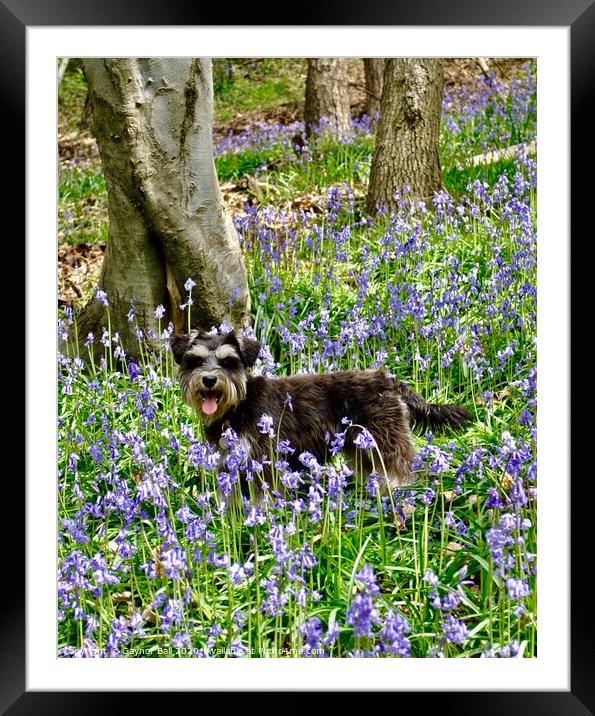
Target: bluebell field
[(153, 562)]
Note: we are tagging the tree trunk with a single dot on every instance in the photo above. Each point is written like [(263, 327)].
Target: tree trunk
[(62, 65), (153, 125), (374, 72), (406, 151), (86, 119), (327, 96)]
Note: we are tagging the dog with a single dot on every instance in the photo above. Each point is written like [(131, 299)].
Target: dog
[(306, 409)]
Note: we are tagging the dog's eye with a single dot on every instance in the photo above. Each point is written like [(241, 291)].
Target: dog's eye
[(229, 363), (194, 361)]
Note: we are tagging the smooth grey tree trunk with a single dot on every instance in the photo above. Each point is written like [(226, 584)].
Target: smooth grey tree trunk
[(406, 151), (167, 223), (62, 66), (374, 74), (327, 96)]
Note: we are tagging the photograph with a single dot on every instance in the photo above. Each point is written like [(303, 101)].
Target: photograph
[(297, 357)]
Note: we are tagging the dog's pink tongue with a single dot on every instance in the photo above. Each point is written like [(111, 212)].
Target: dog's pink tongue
[(209, 405)]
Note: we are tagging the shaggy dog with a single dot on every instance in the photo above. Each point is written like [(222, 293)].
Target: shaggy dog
[(306, 409)]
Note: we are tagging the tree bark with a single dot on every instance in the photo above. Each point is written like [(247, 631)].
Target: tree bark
[(406, 151), (153, 124), (327, 96), (86, 119), (374, 73)]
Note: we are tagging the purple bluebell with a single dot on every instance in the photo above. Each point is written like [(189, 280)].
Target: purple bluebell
[(101, 297), (364, 440), (311, 632), (455, 631), (265, 425)]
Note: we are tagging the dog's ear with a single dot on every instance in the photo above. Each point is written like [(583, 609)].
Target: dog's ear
[(250, 349), (179, 345)]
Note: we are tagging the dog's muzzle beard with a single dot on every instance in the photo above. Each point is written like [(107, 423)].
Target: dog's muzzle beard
[(212, 394)]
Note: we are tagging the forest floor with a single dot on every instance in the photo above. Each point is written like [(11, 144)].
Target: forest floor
[(265, 91)]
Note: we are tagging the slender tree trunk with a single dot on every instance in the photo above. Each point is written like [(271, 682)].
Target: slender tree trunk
[(62, 66), (153, 125), (406, 151), (327, 96), (374, 73)]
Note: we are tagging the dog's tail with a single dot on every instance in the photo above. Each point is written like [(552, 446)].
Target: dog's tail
[(431, 416)]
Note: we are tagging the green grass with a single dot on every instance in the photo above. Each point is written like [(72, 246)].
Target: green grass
[(456, 180), (82, 193), (71, 97), (256, 86), (82, 205), (233, 166)]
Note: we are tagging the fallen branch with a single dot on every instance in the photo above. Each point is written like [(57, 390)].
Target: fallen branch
[(500, 154), (483, 64)]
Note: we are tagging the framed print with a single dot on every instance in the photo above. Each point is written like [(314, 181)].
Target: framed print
[(36, 677)]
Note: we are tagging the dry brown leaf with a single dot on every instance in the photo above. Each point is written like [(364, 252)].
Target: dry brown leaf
[(149, 616), (506, 481), (122, 598)]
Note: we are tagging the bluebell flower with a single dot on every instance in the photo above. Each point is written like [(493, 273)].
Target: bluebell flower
[(455, 631), (427, 496), (101, 297), (517, 588), (314, 504), (337, 443), (238, 573), (73, 459), (362, 614), (364, 440), (291, 479), (265, 425), (331, 635), (254, 516), (517, 494), (431, 578), (173, 560), (394, 635), (309, 461), (493, 500), (238, 648), (372, 484), (181, 640), (311, 631), (284, 447)]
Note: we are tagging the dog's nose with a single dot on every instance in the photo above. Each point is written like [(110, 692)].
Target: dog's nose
[(208, 381)]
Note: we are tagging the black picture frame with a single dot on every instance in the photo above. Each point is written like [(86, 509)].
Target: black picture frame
[(579, 17)]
